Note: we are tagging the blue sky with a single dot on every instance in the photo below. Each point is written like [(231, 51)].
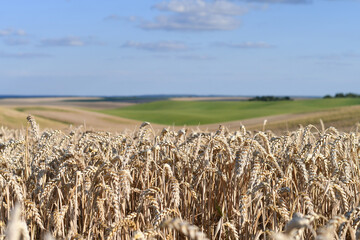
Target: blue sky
[(224, 47)]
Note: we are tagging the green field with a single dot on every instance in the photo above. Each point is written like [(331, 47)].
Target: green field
[(206, 112)]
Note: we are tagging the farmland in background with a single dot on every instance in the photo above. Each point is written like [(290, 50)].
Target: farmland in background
[(118, 114), (206, 112)]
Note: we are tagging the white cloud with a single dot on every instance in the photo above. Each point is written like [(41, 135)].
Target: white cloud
[(116, 17), (15, 42), (280, 1), (68, 42), (192, 23), (333, 57), (196, 15), (246, 45), (196, 57), (201, 7), (12, 32), (23, 55), (113, 17), (162, 46)]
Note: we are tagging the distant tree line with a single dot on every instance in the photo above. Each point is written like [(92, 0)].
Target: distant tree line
[(342, 95), (270, 98)]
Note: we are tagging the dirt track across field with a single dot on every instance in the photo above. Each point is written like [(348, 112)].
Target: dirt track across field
[(63, 117), (344, 118)]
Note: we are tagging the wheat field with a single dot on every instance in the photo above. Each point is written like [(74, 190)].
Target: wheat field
[(183, 184)]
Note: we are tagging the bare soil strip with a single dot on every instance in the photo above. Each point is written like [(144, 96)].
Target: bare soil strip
[(65, 116), (344, 118), (15, 119)]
